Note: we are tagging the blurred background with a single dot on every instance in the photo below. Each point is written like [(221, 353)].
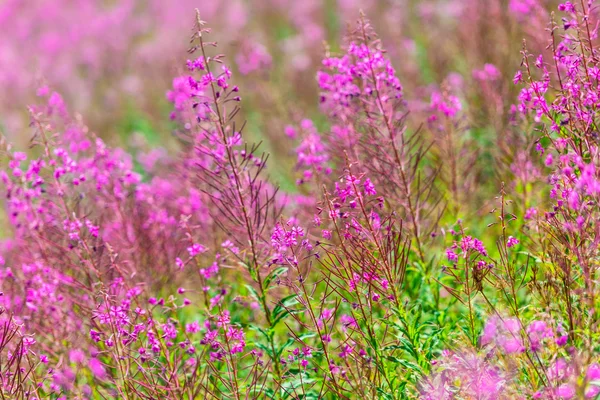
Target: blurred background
[(114, 60)]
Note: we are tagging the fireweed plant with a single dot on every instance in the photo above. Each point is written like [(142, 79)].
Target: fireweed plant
[(192, 276)]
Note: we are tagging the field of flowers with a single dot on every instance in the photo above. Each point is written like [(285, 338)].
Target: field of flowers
[(285, 199)]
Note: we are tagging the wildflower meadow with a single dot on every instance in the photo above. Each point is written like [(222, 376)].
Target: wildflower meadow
[(285, 199)]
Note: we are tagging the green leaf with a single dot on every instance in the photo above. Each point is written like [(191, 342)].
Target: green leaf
[(282, 309), (274, 274), (253, 293), (285, 346)]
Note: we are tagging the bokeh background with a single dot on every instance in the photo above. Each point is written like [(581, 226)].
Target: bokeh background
[(114, 60), (117, 64)]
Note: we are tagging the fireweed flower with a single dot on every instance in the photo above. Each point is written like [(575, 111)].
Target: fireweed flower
[(511, 242), (252, 57), (339, 88), (467, 374), (94, 237), (523, 7), (196, 249), (312, 153), (489, 72), (446, 104), (451, 255)]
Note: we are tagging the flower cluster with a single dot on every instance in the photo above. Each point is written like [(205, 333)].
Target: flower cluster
[(439, 242)]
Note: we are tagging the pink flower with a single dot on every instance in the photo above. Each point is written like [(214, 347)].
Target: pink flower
[(196, 249), (97, 368), (565, 391), (488, 73), (369, 188), (511, 242), (518, 77), (451, 255)]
